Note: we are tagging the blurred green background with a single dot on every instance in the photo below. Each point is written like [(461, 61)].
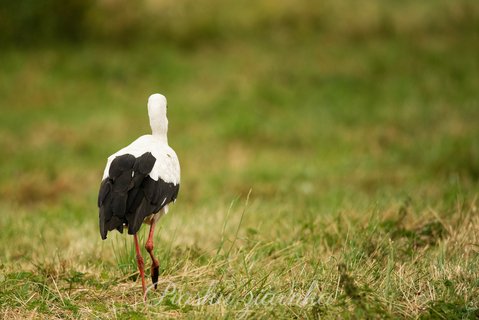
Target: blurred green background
[(327, 110), (330, 96)]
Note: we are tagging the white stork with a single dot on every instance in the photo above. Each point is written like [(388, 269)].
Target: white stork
[(139, 183)]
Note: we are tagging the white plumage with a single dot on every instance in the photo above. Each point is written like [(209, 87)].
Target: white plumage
[(167, 166)]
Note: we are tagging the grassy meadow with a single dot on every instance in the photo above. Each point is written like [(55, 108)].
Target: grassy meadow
[(329, 153)]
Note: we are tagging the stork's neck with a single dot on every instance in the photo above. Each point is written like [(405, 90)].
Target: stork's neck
[(159, 128)]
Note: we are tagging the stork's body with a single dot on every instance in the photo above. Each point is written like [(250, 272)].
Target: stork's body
[(139, 182)]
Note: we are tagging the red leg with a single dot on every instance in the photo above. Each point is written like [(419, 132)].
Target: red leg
[(141, 265), (155, 265)]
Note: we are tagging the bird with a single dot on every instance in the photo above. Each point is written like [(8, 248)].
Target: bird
[(138, 185)]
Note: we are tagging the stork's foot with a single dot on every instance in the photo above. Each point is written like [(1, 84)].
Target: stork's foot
[(155, 274), (155, 265)]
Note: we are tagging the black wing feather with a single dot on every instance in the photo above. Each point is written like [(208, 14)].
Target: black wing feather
[(129, 194)]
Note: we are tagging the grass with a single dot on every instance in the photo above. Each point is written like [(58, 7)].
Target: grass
[(323, 176)]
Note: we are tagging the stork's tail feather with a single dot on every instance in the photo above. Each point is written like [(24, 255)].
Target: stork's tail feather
[(121, 198)]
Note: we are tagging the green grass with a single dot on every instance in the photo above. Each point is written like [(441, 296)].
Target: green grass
[(358, 149)]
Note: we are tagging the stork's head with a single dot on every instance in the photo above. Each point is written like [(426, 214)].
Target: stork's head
[(157, 112)]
